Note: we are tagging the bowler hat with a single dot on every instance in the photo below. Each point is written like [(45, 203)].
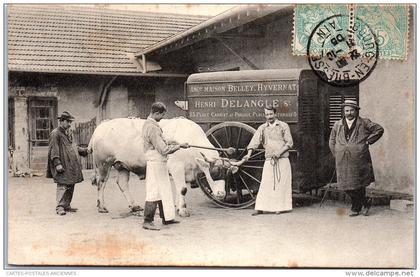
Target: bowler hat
[(350, 103), (66, 116)]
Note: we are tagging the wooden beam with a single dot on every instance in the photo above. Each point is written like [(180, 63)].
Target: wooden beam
[(241, 57)]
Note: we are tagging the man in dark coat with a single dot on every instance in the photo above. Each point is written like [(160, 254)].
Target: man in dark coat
[(63, 163), (349, 142)]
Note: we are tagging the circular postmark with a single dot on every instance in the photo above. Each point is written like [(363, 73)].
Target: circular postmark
[(342, 50)]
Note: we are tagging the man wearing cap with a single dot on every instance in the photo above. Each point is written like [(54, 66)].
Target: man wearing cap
[(275, 192), (63, 163), (158, 185), (349, 143)]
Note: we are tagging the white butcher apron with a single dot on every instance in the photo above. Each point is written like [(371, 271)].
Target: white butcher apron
[(275, 192), (158, 185)]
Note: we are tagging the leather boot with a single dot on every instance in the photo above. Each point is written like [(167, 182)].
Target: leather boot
[(367, 207), (161, 212), (149, 214)]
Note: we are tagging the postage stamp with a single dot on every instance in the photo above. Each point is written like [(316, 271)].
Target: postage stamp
[(389, 23), (342, 50)]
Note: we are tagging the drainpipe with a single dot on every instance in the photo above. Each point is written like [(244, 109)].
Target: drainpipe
[(143, 63), (104, 96)]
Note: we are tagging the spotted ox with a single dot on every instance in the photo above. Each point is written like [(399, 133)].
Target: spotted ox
[(118, 143)]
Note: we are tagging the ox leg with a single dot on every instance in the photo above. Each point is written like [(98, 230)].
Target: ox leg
[(122, 182), (101, 182), (178, 176)]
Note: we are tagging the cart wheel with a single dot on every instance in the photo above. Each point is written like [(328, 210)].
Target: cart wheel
[(241, 186)]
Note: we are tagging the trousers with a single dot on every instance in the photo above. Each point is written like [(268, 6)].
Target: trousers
[(358, 198), (64, 195)]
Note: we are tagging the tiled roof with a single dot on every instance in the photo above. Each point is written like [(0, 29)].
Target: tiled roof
[(62, 38)]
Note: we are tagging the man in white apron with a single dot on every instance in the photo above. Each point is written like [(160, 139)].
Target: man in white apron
[(158, 185), (275, 192)]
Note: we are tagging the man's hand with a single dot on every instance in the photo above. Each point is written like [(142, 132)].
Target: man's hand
[(246, 157), (237, 164), (277, 156), (184, 145), (59, 168), (83, 151)]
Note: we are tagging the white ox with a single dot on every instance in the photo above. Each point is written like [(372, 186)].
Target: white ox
[(119, 143)]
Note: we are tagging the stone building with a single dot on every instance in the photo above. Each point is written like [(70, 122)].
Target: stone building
[(76, 59)]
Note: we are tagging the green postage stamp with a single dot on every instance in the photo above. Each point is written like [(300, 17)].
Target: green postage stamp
[(389, 23)]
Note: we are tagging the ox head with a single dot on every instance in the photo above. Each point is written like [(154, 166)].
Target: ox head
[(215, 173), (183, 130)]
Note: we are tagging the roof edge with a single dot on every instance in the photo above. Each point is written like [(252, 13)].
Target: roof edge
[(134, 74), (235, 17), (87, 7)]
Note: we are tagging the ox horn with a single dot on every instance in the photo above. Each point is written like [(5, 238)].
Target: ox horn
[(205, 158)]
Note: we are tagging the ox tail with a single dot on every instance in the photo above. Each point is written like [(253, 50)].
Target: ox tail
[(93, 179), (90, 146)]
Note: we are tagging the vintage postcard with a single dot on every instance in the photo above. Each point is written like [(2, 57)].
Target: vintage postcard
[(200, 135)]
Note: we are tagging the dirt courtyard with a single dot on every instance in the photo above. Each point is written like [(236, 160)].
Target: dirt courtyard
[(309, 236)]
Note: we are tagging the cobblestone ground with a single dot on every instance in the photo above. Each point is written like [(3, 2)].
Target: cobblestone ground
[(307, 237)]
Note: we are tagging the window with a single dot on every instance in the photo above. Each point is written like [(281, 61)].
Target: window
[(42, 118)]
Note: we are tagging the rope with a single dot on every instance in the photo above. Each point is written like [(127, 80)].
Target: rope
[(276, 171), (328, 188)]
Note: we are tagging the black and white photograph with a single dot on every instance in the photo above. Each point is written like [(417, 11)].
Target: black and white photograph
[(201, 135)]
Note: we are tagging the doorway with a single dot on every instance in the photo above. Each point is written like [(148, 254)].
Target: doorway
[(42, 120)]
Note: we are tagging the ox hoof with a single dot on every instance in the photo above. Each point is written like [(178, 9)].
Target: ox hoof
[(183, 213), (103, 210), (134, 209), (220, 195)]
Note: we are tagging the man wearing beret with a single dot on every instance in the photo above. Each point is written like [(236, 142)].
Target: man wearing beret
[(63, 163), (349, 143)]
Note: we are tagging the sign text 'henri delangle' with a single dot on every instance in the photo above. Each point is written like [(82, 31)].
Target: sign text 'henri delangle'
[(242, 101)]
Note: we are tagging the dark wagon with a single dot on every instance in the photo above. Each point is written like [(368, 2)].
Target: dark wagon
[(230, 106)]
